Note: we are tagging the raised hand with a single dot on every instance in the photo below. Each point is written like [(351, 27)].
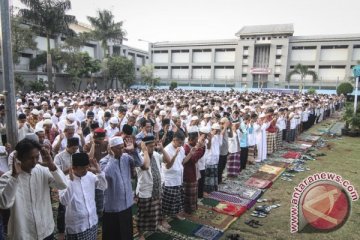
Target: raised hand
[(129, 144), (47, 159), (143, 147), (71, 174), (16, 166)]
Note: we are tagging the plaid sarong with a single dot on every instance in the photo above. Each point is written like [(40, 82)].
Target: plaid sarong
[(279, 139), (251, 153), (271, 142), (233, 164), (191, 197), (172, 200), (89, 234), (211, 178), (149, 214)]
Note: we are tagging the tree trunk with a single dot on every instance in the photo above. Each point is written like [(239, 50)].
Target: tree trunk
[(49, 65), (79, 86), (117, 84)]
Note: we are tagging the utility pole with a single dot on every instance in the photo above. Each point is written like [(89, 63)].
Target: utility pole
[(8, 74)]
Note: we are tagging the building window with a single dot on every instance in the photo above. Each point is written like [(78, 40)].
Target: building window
[(277, 75), (278, 46), (335, 47), (258, 38), (269, 38), (263, 38), (278, 57), (244, 75), (356, 46), (201, 67), (246, 47)]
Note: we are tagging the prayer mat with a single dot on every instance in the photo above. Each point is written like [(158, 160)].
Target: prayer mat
[(230, 209), (279, 164), (184, 227), (207, 233), (159, 236), (209, 202), (283, 160), (271, 169), (290, 154), (309, 138), (235, 188), (222, 196), (264, 176), (258, 183), (207, 216)]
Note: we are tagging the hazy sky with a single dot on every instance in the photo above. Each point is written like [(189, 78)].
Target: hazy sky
[(170, 20)]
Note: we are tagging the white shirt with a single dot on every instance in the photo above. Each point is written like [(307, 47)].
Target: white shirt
[(145, 183), (79, 199), (110, 132), (201, 163), (233, 144), (4, 167), (63, 143), (174, 175), (63, 160), (28, 197), (214, 154)]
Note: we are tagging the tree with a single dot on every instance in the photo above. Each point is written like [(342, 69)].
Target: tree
[(105, 29), (48, 17), (344, 88), (311, 90), (79, 65), (21, 38), (173, 85), (303, 71), (121, 70), (147, 72)]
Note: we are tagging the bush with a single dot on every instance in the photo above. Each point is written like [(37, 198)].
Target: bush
[(37, 85), (311, 91), (173, 85), (345, 88)]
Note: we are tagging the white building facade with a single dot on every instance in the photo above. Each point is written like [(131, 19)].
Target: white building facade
[(260, 56)]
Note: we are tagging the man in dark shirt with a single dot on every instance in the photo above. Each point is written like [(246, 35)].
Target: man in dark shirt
[(165, 134)]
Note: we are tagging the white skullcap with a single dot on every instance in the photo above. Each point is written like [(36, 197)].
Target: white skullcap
[(47, 121), (37, 130), (116, 141), (19, 101), (136, 112), (69, 126), (216, 108), (262, 115), (162, 113), (71, 117), (46, 115), (114, 120), (206, 115), (183, 113), (194, 118), (35, 112), (174, 115), (205, 130), (44, 102)]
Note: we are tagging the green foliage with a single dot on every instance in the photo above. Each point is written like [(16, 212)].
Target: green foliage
[(173, 85), (147, 75), (37, 85), (19, 82), (345, 88), (106, 29), (311, 91), (352, 120), (120, 69), (48, 18), (21, 38)]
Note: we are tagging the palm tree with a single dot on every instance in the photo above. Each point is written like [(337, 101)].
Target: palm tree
[(105, 28), (49, 18), (303, 71)]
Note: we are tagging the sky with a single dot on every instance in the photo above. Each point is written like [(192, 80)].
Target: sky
[(183, 20)]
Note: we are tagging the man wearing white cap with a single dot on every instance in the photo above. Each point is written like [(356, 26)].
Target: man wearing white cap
[(113, 128), (69, 120), (60, 141), (117, 218)]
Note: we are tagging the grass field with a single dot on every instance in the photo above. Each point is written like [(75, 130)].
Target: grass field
[(343, 158)]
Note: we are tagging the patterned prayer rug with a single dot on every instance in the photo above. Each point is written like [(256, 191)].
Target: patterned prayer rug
[(209, 202), (207, 233), (207, 216), (184, 227), (271, 169), (280, 164), (264, 176), (291, 154), (258, 183), (233, 187), (222, 196), (230, 209)]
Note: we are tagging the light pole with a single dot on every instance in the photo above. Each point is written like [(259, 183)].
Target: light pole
[(356, 71), (8, 74)]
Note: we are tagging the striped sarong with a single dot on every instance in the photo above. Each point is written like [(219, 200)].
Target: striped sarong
[(211, 178), (233, 164), (149, 214), (251, 154), (172, 200), (279, 139), (191, 196), (89, 234)]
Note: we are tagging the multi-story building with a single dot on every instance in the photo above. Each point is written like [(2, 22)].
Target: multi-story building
[(93, 48), (260, 56)]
